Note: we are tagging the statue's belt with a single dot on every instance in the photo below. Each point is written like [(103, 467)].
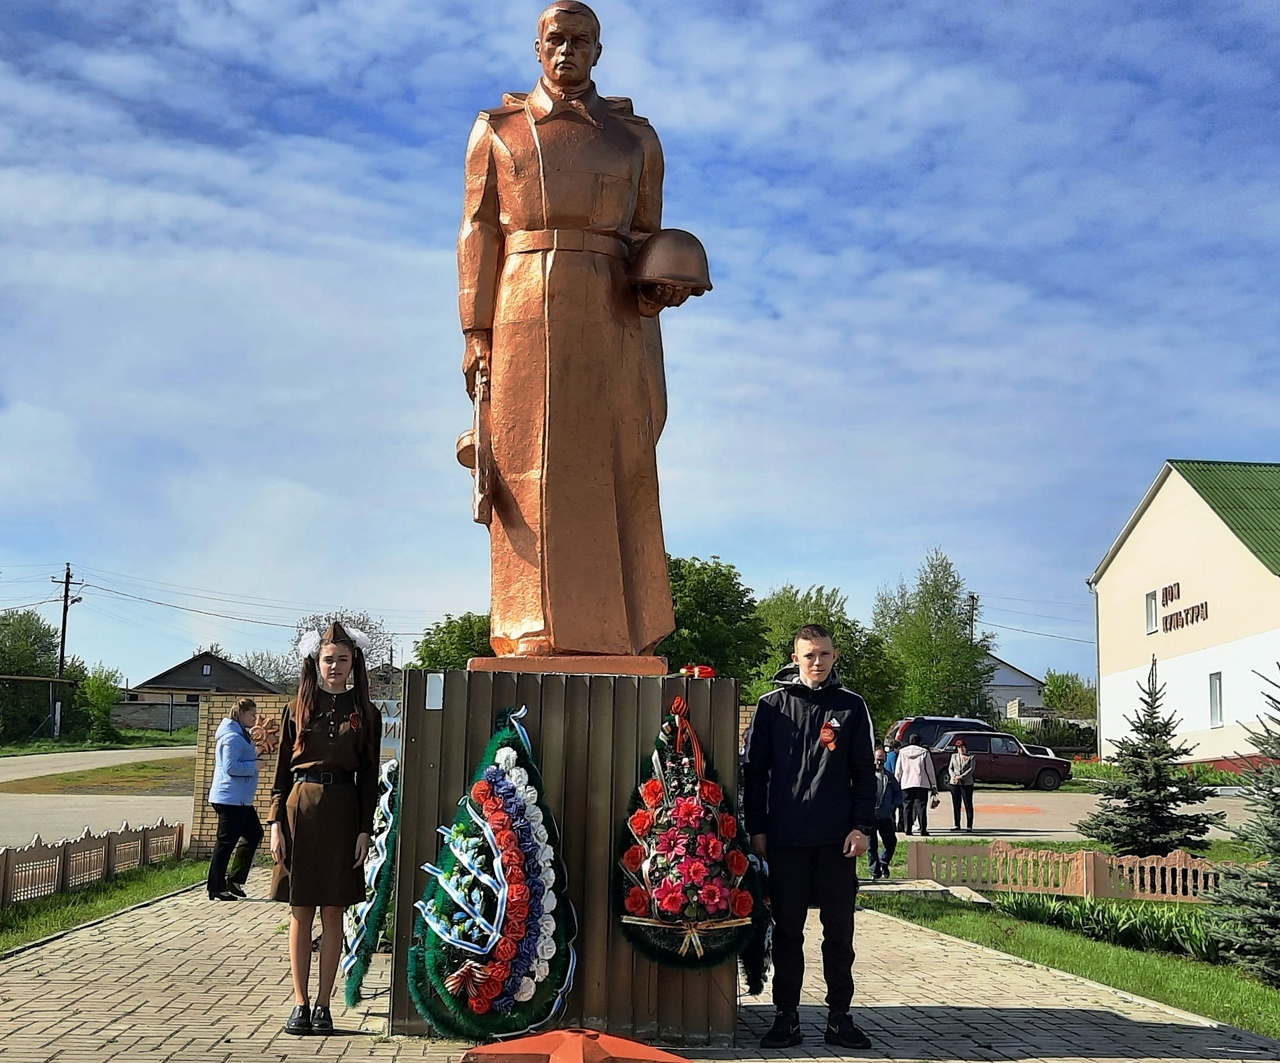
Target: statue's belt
[(519, 243)]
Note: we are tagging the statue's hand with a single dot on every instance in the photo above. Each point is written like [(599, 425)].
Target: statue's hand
[(654, 298), (475, 360)]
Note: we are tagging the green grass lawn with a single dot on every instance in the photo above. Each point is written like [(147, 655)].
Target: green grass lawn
[(1218, 992), (33, 920), (173, 777), (128, 740)]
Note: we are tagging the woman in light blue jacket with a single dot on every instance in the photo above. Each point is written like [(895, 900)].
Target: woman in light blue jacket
[(235, 781)]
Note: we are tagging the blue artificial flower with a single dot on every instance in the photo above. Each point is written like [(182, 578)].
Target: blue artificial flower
[(504, 1003), (536, 890), (493, 774), (504, 788), (524, 833), (535, 909)]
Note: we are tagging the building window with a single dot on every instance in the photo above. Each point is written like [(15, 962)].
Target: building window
[(193, 699), (1215, 699), (207, 669), (1153, 617)]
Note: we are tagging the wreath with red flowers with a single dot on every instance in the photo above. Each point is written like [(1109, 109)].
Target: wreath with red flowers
[(691, 894)]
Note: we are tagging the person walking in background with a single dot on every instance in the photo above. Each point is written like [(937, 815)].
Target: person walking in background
[(884, 837), (890, 764), (235, 781), (960, 778), (919, 781)]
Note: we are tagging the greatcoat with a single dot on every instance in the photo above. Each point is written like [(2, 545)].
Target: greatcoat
[(559, 193)]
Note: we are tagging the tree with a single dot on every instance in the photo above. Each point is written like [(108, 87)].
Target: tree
[(716, 621), (865, 664), (1071, 696), (28, 647), (944, 671), (452, 642), (99, 694), (279, 669), (382, 643), (214, 647), (1138, 812), (1246, 917)]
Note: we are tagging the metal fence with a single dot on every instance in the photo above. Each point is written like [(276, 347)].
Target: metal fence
[(1083, 873), (42, 869)]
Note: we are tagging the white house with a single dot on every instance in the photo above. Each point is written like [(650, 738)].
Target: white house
[(1008, 682), (1193, 580)]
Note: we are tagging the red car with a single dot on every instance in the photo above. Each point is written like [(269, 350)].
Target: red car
[(1001, 758)]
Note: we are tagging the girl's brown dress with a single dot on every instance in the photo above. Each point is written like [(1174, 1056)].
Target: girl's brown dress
[(320, 822)]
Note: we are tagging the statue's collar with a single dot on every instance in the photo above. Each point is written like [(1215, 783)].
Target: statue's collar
[(545, 101)]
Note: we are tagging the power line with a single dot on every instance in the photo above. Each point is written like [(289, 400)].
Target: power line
[(1039, 601), (1038, 616), (1043, 634)]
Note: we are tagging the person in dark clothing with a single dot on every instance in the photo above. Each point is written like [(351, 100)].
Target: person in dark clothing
[(888, 804), (810, 803)]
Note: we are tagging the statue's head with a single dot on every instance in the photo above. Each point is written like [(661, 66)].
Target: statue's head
[(568, 43)]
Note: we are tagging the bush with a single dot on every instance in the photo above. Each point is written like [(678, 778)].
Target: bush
[(1182, 929), (99, 694), (1092, 768)]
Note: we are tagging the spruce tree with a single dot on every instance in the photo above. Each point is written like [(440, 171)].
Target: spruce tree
[(1246, 920), (1138, 813)]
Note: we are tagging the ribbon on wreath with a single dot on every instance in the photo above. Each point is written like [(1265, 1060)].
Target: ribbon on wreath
[(692, 940), (686, 733)]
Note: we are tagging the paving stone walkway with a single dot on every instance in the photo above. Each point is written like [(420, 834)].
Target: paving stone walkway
[(189, 980)]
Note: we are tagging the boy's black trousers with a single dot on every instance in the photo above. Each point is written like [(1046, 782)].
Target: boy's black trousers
[(822, 877)]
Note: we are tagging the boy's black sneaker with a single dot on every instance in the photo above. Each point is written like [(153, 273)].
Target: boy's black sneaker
[(841, 1031), (785, 1032)]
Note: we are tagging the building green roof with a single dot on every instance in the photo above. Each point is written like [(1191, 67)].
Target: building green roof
[(1246, 496)]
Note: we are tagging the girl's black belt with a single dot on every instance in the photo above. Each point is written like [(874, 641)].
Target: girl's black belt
[(326, 778)]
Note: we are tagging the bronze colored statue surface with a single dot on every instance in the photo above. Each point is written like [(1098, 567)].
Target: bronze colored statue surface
[(564, 356)]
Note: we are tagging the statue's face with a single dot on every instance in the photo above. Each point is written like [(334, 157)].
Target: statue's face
[(567, 49)]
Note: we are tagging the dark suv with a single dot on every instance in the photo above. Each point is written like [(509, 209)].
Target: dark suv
[(931, 728), (1001, 758)]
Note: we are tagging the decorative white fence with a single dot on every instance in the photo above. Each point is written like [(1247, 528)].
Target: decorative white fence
[(41, 870)]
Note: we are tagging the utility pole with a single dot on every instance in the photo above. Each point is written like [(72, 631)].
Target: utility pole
[(55, 706), (973, 614)]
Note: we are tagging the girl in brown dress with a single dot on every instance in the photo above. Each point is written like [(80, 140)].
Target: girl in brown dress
[(322, 804)]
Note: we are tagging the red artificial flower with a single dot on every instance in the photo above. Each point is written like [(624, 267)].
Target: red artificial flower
[(500, 821), (641, 822), (687, 811), (651, 792), (513, 859), (518, 910), (693, 871), (736, 861), (670, 897), (671, 843), (481, 792), (515, 876), (637, 902), (354, 721), (517, 894), (714, 897), (728, 825), (507, 840), (480, 1005), (499, 972), (740, 903), (492, 806), (711, 792), (506, 949), (633, 858), (514, 928), (710, 847)]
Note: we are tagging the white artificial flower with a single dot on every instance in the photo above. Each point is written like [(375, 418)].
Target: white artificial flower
[(529, 796), (540, 834), (546, 926), (546, 948), (541, 969), (526, 990), (534, 815), (549, 902), (505, 758), (545, 855), (519, 777)]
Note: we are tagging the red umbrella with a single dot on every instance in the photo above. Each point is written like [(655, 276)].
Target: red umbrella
[(569, 1046)]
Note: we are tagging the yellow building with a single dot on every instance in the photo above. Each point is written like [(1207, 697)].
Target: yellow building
[(1194, 580)]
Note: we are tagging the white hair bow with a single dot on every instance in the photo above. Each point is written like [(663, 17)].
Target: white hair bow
[(309, 644)]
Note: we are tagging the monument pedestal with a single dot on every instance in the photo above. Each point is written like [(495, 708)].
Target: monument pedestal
[(566, 665), (592, 735)]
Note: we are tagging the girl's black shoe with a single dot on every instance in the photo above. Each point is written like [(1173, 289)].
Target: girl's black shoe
[(321, 1020), (237, 889), (225, 895), (299, 1021)]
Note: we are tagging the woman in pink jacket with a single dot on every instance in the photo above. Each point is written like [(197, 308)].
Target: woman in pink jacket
[(919, 781)]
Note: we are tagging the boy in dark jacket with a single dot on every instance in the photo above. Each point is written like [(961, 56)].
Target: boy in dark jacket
[(810, 807)]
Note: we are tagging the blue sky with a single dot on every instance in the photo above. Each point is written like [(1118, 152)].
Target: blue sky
[(980, 268)]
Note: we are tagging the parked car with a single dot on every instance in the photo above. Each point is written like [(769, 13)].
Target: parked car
[(931, 728), (1002, 758)]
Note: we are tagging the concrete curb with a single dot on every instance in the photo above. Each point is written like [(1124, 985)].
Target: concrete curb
[(1260, 1040), (19, 949)]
